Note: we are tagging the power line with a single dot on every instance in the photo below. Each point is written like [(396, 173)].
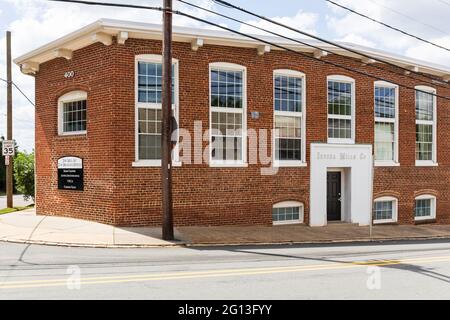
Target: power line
[(293, 40), (20, 90), (251, 37), (388, 26), (230, 5), (409, 17)]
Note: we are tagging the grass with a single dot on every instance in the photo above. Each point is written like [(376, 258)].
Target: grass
[(9, 210)]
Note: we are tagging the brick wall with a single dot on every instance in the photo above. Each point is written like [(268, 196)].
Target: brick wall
[(117, 193)]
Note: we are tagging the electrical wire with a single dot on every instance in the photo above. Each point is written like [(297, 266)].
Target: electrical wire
[(20, 90), (230, 5), (387, 25), (298, 41), (254, 38)]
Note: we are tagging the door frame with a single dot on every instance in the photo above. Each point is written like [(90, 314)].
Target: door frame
[(343, 202)]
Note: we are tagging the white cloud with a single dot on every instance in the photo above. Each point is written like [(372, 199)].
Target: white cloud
[(305, 21), (427, 21), (40, 22)]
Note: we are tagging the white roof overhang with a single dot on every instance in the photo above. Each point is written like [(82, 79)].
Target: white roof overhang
[(102, 30)]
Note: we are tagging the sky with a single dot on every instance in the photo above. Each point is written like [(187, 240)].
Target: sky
[(34, 23)]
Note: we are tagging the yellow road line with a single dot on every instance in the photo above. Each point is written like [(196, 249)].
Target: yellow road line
[(218, 273)]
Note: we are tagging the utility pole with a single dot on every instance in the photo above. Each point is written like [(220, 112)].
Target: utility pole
[(9, 167), (166, 132)]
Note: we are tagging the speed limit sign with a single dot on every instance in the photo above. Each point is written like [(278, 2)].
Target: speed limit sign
[(8, 148)]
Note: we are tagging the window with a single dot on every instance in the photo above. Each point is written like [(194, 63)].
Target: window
[(149, 107), (386, 123), (425, 125), (425, 207), (289, 124), (385, 210), (227, 107), (341, 105), (287, 212), (72, 110)]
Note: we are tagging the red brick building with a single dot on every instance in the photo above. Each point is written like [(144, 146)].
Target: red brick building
[(98, 109)]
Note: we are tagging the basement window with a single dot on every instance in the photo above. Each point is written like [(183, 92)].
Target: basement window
[(287, 212), (425, 207), (385, 210)]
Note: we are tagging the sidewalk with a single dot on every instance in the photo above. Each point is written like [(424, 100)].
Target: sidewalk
[(26, 227)]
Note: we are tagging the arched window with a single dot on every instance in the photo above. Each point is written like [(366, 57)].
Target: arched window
[(425, 207), (425, 126), (72, 113), (289, 117), (287, 212), (341, 109), (228, 121), (386, 123), (149, 108), (385, 210)]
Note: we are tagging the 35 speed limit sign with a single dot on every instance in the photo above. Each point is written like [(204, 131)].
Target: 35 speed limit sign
[(8, 148)]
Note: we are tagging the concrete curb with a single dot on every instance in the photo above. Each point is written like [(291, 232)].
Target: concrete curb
[(87, 245), (217, 244)]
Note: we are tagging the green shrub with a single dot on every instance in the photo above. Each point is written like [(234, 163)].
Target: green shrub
[(24, 174)]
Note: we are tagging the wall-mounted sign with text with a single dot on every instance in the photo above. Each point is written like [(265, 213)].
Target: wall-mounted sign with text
[(70, 173)]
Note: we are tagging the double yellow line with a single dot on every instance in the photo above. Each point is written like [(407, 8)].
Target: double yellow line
[(217, 273)]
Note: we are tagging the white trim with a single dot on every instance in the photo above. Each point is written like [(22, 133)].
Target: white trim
[(352, 117), (394, 210), (396, 121), (433, 207), (229, 67), (153, 58), (302, 115), (433, 122), (386, 163), (77, 95), (290, 204), (152, 163)]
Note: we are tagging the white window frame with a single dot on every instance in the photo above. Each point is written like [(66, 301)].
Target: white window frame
[(290, 204), (301, 115), (395, 121), (433, 207), (72, 96), (352, 117), (433, 122), (243, 111), (394, 210), (154, 58)]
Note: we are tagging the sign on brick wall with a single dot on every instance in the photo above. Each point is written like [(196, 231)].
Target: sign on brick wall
[(70, 173)]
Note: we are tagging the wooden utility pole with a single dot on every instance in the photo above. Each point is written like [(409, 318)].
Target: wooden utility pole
[(9, 134), (166, 132)]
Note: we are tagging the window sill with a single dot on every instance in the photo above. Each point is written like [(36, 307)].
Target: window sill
[(72, 134), (289, 164), (390, 221), (228, 165), (151, 163), (340, 141), (420, 163), (386, 164), (424, 219), (284, 223)]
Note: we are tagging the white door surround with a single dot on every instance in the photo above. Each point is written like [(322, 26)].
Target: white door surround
[(355, 163)]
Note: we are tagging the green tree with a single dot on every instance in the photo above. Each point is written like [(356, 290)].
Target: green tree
[(24, 174)]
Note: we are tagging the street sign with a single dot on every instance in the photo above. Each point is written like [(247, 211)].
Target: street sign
[(70, 173), (8, 148)]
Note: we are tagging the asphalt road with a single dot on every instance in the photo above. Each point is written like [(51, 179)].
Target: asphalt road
[(396, 270), (18, 201)]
